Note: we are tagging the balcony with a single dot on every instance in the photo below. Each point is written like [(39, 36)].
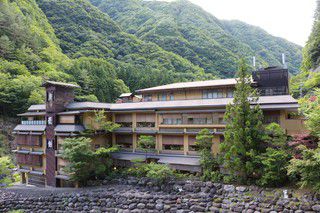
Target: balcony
[(34, 122)]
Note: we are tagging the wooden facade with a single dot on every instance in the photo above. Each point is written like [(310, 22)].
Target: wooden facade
[(173, 116)]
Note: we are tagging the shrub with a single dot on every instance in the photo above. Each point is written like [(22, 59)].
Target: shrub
[(6, 175), (158, 172), (274, 167), (306, 169), (207, 161), (84, 162), (275, 136)]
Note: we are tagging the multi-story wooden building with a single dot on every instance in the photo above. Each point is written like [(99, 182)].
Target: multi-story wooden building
[(172, 113)]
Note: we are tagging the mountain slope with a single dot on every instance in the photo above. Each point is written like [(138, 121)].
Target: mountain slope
[(29, 53), (189, 31), (265, 45), (86, 31)]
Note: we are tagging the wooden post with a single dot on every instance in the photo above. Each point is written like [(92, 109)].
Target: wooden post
[(134, 142), (185, 144)]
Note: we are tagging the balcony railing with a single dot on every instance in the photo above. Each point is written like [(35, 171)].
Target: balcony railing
[(34, 122)]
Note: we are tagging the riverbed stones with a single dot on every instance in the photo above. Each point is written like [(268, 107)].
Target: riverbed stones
[(139, 195)]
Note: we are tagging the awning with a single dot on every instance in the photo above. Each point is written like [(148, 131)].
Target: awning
[(36, 153), (36, 173), (32, 114), (36, 128), (128, 156), (69, 128), (63, 177)]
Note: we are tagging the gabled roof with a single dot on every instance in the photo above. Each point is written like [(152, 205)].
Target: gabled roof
[(194, 84), (47, 83), (37, 107)]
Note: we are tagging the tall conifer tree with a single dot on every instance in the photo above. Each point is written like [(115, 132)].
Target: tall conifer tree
[(244, 130)]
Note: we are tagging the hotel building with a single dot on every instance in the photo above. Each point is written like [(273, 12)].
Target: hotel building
[(173, 114)]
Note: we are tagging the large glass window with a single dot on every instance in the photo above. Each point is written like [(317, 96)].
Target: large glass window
[(212, 94), (230, 93)]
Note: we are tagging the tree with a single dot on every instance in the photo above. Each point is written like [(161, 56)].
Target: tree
[(244, 129), (207, 161), (102, 122), (274, 164), (84, 162), (146, 143), (275, 136), (6, 175), (306, 169)]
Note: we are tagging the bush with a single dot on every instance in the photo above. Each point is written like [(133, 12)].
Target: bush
[(274, 167), (84, 162), (306, 170), (159, 172), (6, 175)]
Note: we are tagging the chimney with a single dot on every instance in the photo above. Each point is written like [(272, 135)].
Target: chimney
[(284, 61)]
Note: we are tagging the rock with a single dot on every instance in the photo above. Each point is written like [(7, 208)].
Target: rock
[(316, 208), (241, 188), (229, 188), (159, 206), (141, 205), (197, 208)]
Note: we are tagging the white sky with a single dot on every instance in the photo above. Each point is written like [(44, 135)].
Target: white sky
[(289, 19)]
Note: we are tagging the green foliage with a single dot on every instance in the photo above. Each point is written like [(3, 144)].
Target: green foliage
[(103, 123), (306, 170), (209, 165), (4, 146), (275, 136), (274, 164), (84, 162), (146, 142), (159, 172), (84, 31), (6, 175), (244, 130), (204, 40), (311, 110)]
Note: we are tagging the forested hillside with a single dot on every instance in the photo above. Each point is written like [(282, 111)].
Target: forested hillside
[(187, 30), (309, 78), (86, 31)]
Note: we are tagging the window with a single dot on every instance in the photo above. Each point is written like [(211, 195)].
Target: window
[(172, 121), (271, 119), (162, 97), (147, 97), (230, 93), (171, 97), (212, 94)]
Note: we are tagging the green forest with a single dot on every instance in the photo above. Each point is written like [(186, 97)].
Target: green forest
[(109, 47)]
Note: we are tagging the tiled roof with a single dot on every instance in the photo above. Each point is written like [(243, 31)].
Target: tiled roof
[(22, 127), (88, 105), (60, 84), (195, 84), (221, 102), (37, 107), (69, 128)]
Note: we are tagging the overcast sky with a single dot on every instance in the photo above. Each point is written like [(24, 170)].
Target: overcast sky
[(290, 19)]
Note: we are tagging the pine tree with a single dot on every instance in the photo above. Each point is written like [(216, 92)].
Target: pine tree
[(244, 129)]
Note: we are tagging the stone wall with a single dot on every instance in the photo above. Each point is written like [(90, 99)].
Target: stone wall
[(143, 195)]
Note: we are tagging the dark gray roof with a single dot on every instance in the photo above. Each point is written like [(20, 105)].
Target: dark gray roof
[(32, 114), (37, 107), (69, 128), (36, 128), (60, 84), (195, 84), (88, 105), (272, 101)]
